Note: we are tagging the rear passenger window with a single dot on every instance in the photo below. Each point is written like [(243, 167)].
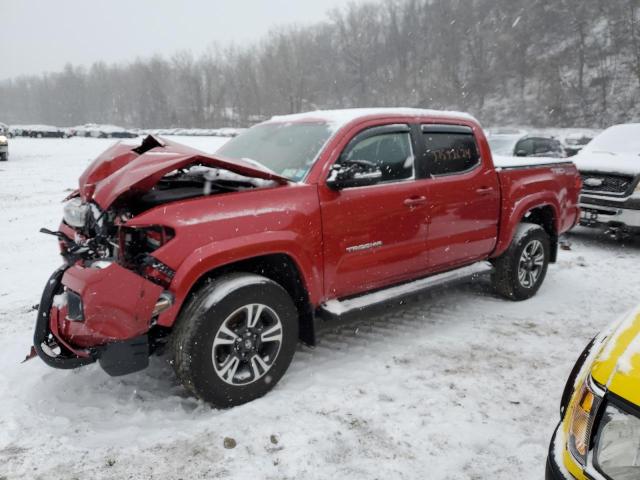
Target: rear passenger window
[(449, 149), (525, 148)]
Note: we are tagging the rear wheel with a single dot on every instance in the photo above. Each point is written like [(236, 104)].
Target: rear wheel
[(235, 339), (520, 271)]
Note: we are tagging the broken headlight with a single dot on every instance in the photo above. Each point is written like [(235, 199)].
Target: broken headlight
[(75, 212)]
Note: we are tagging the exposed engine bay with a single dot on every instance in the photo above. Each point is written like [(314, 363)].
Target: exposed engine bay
[(193, 182), (103, 236)]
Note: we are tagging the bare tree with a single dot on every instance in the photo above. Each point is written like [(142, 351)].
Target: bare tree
[(518, 61)]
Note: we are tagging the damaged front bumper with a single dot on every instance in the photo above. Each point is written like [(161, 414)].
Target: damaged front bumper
[(103, 314)]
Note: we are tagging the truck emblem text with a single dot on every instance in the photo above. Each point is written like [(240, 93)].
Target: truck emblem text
[(364, 246)]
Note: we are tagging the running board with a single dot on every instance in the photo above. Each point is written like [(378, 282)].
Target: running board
[(341, 307)]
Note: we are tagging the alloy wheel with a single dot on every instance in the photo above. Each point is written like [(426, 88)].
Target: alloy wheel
[(531, 264), (247, 344)]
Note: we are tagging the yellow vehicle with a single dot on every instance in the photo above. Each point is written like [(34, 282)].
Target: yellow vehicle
[(598, 437)]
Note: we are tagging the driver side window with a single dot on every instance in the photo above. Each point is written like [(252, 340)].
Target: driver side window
[(390, 154)]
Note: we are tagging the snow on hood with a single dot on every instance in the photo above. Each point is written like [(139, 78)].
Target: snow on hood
[(608, 162), (123, 168)]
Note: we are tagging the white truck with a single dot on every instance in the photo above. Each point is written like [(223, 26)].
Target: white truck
[(610, 170)]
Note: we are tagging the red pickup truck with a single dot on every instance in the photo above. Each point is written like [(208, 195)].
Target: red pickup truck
[(227, 259)]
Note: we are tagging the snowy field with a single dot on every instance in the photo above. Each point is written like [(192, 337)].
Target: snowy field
[(457, 384)]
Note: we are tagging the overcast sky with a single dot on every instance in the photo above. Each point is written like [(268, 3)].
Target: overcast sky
[(43, 35)]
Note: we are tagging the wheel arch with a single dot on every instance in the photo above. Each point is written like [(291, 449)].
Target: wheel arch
[(545, 216), (280, 267), (537, 211)]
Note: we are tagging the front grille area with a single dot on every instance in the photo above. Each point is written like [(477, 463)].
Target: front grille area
[(607, 183)]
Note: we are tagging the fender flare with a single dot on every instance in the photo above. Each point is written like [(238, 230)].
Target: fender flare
[(516, 216), (220, 254)]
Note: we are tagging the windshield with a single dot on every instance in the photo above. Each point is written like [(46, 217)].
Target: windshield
[(288, 149), (502, 145), (617, 139)]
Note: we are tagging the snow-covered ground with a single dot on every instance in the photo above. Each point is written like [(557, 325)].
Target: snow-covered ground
[(457, 384)]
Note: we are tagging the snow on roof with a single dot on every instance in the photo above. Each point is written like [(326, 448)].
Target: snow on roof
[(616, 150), (339, 118), (624, 138)]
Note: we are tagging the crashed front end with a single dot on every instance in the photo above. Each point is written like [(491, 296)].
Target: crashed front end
[(103, 302)]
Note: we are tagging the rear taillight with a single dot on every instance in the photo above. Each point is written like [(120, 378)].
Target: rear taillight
[(578, 182)]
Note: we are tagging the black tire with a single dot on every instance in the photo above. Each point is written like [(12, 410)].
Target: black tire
[(201, 322), (506, 279)]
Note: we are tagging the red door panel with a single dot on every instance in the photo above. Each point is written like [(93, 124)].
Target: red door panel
[(374, 236), (464, 212), (464, 196)]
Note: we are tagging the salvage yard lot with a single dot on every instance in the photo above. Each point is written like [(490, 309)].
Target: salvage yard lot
[(457, 384)]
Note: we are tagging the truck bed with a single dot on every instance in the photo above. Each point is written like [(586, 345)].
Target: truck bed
[(502, 161), (548, 183)]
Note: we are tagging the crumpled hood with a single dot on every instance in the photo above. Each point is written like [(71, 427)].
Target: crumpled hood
[(617, 365), (590, 161), (124, 168)]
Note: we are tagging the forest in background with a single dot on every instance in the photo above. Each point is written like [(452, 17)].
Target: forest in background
[(528, 62)]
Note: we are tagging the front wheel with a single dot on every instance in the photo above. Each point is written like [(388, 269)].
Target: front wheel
[(235, 339), (520, 271)]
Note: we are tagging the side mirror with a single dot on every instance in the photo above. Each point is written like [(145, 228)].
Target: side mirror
[(358, 173), (521, 153)]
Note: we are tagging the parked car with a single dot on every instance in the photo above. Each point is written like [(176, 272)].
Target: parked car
[(598, 437), (575, 142), (227, 258), (519, 145), (610, 168), (94, 130), (37, 131), (4, 147), (4, 142)]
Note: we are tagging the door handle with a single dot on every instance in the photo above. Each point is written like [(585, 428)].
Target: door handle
[(415, 201), (484, 190)]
